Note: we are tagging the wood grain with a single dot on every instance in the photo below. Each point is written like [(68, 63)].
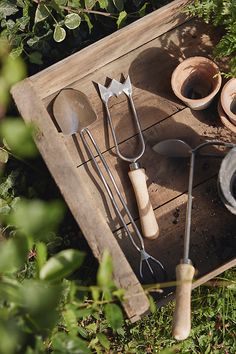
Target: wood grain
[(213, 242), (167, 178), (150, 68)]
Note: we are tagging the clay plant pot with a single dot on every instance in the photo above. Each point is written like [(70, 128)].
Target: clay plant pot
[(228, 99), (196, 81), (225, 119)]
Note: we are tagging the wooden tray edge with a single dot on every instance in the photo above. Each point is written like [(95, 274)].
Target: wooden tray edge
[(110, 48), (94, 227)]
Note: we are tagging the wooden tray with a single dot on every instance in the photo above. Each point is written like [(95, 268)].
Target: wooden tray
[(148, 50)]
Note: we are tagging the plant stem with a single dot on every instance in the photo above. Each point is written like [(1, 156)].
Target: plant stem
[(107, 14)]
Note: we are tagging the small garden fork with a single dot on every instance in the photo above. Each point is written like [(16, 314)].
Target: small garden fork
[(136, 174)]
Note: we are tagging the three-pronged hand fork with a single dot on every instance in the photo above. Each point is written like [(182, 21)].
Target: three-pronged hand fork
[(145, 257), (136, 174)]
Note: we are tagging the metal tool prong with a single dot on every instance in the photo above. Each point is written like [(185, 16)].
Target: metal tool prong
[(136, 174)]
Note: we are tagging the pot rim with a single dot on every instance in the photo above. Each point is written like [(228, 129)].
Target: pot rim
[(224, 119), (225, 107)]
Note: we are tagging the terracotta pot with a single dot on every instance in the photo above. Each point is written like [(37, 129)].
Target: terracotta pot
[(228, 99), (224, 119), (196, 81)]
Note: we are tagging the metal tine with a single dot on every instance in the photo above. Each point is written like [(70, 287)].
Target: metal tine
[(87, 131), (144, 256), (116, 88)]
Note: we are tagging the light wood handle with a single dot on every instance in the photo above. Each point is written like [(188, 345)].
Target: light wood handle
[(148, 221), (182, 315)]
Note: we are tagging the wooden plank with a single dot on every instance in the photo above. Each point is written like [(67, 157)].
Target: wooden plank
[(76, 193), (214, 273), (150, 68), (213, 242), (167, 178), (108, 49)]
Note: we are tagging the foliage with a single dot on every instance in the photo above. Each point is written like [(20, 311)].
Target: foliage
[(213, 324), (36, 28), (219, 13), (42, 307)]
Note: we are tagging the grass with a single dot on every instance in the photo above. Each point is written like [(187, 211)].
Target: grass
[(213, 324)]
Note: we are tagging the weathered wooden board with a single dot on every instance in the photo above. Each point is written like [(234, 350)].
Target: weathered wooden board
[(148, 50), (108, 49), (150, 68), (213, 239), (167, 178)]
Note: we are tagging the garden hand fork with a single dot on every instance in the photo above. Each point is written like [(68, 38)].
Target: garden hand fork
[(136, 174)]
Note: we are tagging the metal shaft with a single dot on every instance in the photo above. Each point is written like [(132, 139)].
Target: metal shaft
[(187, 232), (85, 130), (144, 256), (188, 211)]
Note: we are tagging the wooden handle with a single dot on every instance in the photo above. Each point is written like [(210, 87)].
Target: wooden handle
[(182, 315), (147, 217)]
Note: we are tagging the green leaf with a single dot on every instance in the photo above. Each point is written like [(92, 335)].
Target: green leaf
[(88, 21), (119, 4), (62, 343), (82, 332), (59, 34), (40, 302), (13, 254), (36, 218), (4, 207), (114, 316), (70, 321), (89, 4), (121, 19), (23, 22), (142, 11), (18, 137), (36, 58), (41, 13), (41, 255), (103, 340), (7, 185), (13, 70), (95, 292), (62, 265), (61, 2), (7, 8), (72, 21), (4, 156), (104, 275), (16, 52), (103, 4), (119, 293), (4, 93), (74, 3), (10, 336), (83, 313), (152, 304)]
